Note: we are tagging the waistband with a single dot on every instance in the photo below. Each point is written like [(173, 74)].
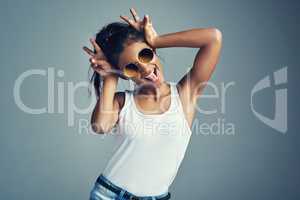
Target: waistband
[(102, 180)]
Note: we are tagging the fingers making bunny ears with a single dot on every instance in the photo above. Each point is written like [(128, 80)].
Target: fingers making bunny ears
[(98, 53), (97, 59), (136, 22), (135, 15), (103, 68)]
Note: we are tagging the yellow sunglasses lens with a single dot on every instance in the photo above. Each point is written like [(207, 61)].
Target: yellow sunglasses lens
[(131, 70), (146, 55)]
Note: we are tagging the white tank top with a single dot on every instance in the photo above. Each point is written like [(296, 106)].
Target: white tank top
[(151, 147)]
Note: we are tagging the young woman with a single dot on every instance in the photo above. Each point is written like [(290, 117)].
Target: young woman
[(154, 119)]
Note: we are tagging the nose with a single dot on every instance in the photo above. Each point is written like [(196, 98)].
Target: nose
[(146, 69)]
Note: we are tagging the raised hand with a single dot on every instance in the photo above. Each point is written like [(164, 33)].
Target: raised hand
[(142, 25), (99, 62)]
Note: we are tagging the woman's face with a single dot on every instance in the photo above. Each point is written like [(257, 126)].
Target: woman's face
[(149, 72)]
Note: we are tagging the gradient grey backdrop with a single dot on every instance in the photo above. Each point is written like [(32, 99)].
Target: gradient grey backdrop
[(43, 158)]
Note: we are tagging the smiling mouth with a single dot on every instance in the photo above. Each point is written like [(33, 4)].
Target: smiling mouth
[(153, 76)]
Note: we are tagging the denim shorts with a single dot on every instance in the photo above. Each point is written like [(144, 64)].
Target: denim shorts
[(99, 192)]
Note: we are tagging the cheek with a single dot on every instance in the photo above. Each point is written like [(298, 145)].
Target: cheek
[(157, 62)]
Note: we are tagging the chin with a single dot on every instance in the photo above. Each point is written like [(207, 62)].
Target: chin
[(147, 83), (156, 79)]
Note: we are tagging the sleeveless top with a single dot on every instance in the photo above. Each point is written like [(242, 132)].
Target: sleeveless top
[(151, 147)]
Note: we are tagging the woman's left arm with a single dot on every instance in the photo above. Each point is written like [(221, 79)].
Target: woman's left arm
[(209, 40)]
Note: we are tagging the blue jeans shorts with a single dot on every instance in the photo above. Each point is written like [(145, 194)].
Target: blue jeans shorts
[(100, 192)]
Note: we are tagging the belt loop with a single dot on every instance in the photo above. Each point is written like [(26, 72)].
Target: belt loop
[(121, 195)]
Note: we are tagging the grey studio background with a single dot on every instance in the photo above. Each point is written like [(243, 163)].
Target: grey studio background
[(42, 157)]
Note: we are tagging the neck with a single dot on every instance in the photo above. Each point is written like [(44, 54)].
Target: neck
[(150, 90)]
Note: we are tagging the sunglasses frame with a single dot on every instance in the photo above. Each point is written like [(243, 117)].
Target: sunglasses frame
[(134, 65)]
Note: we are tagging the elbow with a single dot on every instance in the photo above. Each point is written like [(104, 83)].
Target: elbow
[(217, 35), (101, 128)]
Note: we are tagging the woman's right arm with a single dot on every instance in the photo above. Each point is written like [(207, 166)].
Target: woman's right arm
[(105, 114)]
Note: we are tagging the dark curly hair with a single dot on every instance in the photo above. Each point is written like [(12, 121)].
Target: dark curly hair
[(112, 39)]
